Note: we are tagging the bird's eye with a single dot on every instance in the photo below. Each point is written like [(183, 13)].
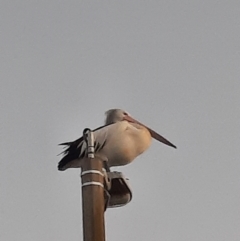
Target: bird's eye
[(125, 113)]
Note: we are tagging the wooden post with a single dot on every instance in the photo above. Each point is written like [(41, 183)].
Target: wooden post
[(93, 200)]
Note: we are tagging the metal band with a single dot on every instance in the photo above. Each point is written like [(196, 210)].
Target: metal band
[(92, 183), (89, 139), (92, 172)]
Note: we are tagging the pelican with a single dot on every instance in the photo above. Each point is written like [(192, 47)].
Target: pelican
[(118, 142)]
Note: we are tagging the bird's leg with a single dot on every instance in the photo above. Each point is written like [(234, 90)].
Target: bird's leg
[(107, 181), (107, 197), (107, 184), (105, 164)]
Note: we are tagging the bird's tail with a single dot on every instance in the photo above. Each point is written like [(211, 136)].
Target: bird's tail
[(71, 154)]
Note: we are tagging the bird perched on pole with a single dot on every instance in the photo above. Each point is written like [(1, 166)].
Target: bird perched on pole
[(118, 142)]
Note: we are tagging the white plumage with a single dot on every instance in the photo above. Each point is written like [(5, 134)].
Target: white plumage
[(119, 142)]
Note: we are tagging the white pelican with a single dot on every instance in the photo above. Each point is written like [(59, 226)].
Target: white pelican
[(118, 142)]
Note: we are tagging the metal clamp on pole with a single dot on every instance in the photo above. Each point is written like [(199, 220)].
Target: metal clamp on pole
[(89, 139)]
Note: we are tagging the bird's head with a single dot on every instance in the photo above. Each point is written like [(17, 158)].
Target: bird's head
[(116, 115)]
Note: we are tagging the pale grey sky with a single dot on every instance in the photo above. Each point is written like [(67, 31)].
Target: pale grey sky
[(173, 65)]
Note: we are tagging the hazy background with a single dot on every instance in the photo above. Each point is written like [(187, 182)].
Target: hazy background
[(174, 65)]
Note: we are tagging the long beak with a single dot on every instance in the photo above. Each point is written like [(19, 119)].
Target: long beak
[(154, 134)]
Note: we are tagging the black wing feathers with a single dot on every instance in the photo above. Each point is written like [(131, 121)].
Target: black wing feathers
[(73, 150)]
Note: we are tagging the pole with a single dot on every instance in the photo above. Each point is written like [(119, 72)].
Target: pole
[(92, 194)]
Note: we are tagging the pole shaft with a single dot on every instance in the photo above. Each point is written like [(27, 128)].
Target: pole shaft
[(93, 201)]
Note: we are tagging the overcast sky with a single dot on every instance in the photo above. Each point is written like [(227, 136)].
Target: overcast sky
[(173, 65)]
